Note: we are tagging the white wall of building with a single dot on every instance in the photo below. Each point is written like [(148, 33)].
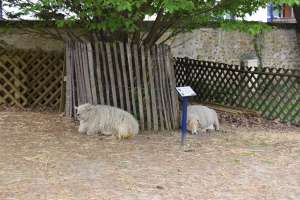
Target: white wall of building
[(261, 15)]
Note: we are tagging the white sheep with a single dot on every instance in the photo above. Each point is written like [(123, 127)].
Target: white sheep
[(201, 118), (106, 120)]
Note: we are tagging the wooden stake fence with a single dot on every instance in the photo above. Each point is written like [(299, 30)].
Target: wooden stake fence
[(137, 79)]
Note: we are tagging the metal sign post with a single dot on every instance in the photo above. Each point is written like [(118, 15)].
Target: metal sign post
[(184, 119), (185, 93)]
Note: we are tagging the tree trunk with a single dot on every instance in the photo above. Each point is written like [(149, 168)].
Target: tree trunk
[(1, 10), (297, 16)]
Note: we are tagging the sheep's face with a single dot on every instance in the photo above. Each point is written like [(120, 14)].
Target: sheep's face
[(82, 111), (193, 126)]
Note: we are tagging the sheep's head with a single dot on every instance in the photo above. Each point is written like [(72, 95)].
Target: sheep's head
[(82, 111), (193, 126)]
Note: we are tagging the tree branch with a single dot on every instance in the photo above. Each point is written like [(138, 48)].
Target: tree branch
[(154, 27)]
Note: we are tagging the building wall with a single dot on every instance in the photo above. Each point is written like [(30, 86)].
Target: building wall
[(279, 48)]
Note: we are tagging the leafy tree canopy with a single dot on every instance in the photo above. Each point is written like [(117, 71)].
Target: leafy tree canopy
[(108, 17)]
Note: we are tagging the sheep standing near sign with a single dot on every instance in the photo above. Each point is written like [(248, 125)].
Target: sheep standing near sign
[(106, 120), (201, 118)]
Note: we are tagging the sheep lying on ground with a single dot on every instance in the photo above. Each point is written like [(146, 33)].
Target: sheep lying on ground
[(106, 120), (201, 118)]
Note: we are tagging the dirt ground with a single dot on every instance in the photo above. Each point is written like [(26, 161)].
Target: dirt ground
[(42, 156)]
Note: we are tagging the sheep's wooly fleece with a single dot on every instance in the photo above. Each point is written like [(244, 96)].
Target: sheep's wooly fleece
[(201, 118), (106, 120)]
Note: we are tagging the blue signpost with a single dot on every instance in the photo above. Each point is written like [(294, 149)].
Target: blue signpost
[(185, 101), (185, 93)]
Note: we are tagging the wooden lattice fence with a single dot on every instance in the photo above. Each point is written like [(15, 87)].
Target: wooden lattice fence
[(137, 79), (275, 92), (31, 78)]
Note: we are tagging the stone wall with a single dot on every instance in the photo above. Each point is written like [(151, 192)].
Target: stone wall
[(279, 48), (29, 40)]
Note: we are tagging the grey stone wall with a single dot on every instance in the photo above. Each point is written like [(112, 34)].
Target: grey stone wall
[(28, 40), (279, 48)]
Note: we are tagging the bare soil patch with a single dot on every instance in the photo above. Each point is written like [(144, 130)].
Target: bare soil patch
[(42, 156)]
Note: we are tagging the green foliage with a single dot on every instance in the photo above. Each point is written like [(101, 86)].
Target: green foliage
[(173, 6), (288, 2), (126, 16), (252, 28)]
